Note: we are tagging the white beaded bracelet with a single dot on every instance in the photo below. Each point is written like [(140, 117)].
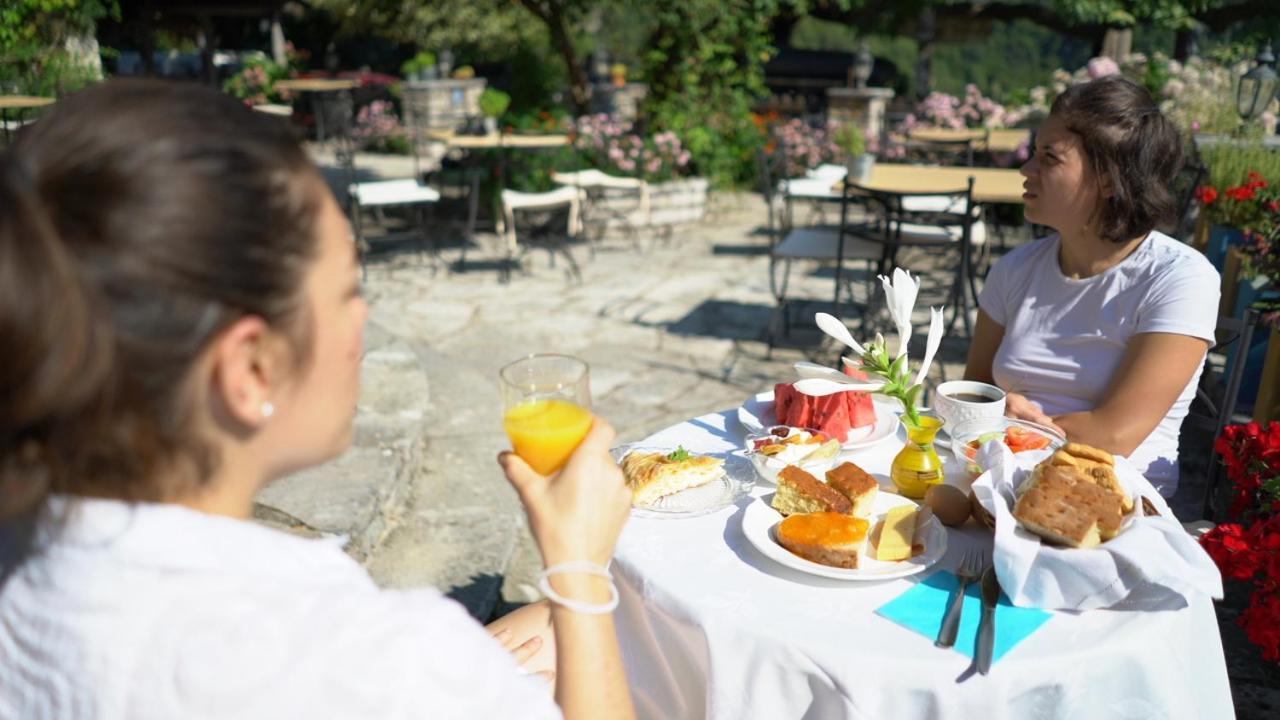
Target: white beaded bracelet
[(579, 566)]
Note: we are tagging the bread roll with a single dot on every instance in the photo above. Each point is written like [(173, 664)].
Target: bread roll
[(1063, 505), (1098, 466), (826, 538)]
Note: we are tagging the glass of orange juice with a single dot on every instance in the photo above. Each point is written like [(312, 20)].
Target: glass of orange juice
[(547, 408)]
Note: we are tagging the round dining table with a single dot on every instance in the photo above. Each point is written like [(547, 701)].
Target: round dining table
[(712, 628)]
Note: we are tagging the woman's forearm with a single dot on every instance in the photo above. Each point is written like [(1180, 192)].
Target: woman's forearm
[(590, 679), (1094, 428)]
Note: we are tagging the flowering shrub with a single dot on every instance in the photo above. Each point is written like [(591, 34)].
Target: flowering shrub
[(974, 110), (1252, 205), (615, 147), (1248, 550), (378, 127), (255, 83), (805, 146)]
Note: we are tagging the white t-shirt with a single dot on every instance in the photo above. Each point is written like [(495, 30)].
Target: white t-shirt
[(1064, 338), (157, 611)]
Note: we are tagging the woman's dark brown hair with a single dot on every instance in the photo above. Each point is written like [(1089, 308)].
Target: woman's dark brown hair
[(1129, 143), (137, 220)]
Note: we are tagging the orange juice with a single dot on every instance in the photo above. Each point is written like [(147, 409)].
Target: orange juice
[(546, 432)]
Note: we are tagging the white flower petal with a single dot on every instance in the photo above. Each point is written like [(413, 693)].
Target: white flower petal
[(931, 346), (817, 387)]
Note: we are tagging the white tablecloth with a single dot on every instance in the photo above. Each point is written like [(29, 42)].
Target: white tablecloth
[(710, 628)]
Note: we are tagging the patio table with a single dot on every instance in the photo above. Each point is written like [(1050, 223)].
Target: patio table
[(20, 103), (711, 628), (990, 185), (996, 141)]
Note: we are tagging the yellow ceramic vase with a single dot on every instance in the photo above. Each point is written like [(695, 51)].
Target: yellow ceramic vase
[(917, 466)]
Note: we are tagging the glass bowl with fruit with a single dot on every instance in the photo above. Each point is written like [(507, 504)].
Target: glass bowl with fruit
[(781, 445), (1019, 435)]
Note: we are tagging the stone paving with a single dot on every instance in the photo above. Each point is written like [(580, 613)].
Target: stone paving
[(670, 333)]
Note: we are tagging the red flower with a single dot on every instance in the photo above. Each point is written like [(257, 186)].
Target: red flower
[(1229, 546), (1261, 623), (1241, 193), (1206, 194)]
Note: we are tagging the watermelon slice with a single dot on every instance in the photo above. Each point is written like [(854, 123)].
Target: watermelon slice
[(834, 415)]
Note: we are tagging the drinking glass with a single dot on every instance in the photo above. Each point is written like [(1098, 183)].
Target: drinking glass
[(547, 408)]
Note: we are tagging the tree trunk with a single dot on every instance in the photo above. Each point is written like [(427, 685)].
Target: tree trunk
[(925, 35), (553, 16), (277, 40), (1117, 43), (1184, 45)]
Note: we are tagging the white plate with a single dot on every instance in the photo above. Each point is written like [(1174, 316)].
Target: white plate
[(735, 482), (756, 414), (760, 522)]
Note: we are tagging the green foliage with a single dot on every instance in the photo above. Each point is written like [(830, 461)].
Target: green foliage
[(256, 82), (704, 65), (494, 103), (33, 35), (850, 138), (418, 63)]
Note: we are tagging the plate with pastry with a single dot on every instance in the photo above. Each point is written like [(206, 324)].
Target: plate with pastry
[(856, 419), (844, 528), (676, 483)]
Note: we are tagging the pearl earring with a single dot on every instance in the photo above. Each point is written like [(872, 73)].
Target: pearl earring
[(268, 409)]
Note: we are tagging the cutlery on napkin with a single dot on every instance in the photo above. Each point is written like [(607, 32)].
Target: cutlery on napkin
[(921, 607)]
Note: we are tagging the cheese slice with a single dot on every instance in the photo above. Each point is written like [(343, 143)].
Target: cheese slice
[(897, 533)]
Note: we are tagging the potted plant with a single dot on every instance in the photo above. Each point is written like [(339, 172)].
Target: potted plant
[(420, 67), (618, 73), (493, 104), (853, 143)]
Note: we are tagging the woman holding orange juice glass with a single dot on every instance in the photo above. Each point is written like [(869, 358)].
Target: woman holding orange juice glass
[(207, 341)]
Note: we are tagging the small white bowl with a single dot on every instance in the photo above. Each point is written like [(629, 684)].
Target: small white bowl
[(768, 466)]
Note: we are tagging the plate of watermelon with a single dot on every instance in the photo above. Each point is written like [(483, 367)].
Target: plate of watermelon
[(855, 418), (1019, 435)]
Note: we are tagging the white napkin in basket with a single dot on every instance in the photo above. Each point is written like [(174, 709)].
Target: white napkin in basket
[(1151, 550)]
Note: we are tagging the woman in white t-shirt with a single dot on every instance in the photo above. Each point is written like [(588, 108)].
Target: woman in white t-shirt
[(1101, 329), (181, 319)]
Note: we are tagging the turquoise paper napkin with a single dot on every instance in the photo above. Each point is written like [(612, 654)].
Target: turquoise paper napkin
[(921, 609)]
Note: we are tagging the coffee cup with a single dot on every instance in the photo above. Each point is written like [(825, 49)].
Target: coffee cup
[(960, 401)]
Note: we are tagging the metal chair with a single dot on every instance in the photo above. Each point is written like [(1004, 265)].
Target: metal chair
[(456, 213), (1214, 407), (551, 219), (609, 202), (935, 222), (824, 245)]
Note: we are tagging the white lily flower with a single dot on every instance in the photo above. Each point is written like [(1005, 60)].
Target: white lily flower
[(931, 346), (817, 387), (900, 295), (832, 326)]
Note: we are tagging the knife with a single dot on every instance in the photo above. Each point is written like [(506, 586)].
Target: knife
[(987, 629)]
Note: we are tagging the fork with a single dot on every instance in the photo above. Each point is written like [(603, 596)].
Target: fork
[(969, 571)]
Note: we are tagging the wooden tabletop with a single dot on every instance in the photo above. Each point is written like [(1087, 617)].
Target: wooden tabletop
[(1003, 140), (22, 102), (497, 140), (315, 84), (990, 185)]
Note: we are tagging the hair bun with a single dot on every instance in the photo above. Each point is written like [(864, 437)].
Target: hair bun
[(56, 355)]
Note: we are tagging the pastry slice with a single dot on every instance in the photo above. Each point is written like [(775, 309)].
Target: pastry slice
[(826, 538), (856, 484), (654, 475), (799, 492), (1063, 505)]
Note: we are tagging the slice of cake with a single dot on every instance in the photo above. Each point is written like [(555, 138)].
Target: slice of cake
[(1064, 506), (856, 484), (799, 492), (826, 538)]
